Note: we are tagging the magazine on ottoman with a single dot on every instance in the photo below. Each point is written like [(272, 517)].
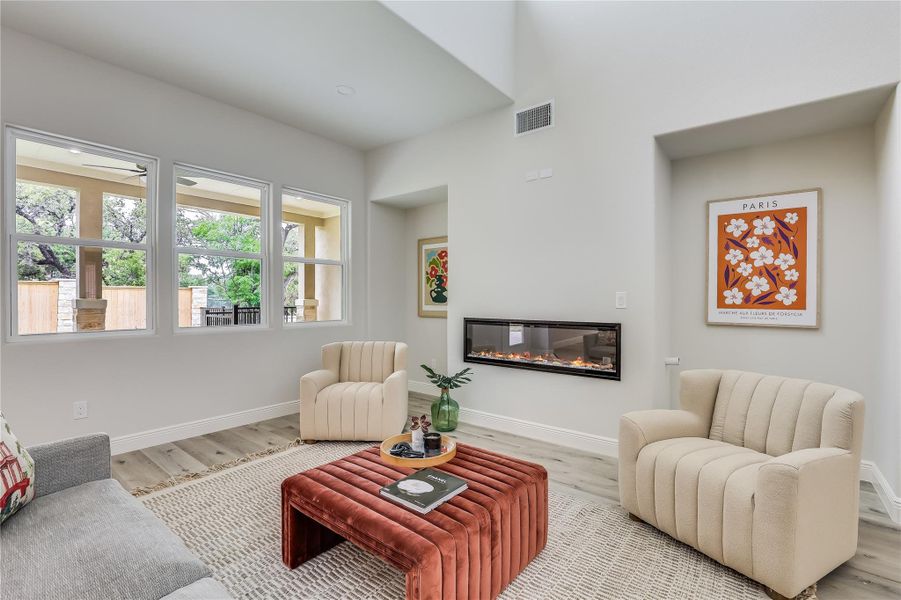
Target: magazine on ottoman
[(424, 490)]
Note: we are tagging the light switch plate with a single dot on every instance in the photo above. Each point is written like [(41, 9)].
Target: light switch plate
[(621, 300), (545, 173)]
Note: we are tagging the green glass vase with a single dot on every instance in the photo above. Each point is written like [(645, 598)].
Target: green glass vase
[(445, 412)]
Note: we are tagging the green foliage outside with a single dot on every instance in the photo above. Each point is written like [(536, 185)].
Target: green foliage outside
[(51, 211), (45, 210), (229, 281)]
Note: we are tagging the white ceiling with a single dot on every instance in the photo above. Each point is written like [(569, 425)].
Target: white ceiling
[(282, 60), (415, 199), (859, 108), (55, 158)]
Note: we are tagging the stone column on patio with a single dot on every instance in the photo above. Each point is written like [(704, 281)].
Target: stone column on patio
[(90, 314), (310, 309), (65, 312), (198, 303)]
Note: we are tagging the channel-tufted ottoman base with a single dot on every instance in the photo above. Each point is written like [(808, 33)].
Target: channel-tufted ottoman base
[(471, 547)]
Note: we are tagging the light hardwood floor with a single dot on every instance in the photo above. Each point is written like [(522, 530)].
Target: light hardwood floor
[(874, 572)]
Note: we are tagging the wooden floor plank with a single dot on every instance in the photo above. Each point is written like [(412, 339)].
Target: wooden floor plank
[(134, 469), (207, 451), (173, 460)]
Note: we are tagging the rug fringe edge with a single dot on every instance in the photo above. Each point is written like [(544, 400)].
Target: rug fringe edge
[(185, 477)]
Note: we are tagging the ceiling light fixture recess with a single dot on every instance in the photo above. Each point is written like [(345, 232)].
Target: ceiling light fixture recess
[(345, 90)]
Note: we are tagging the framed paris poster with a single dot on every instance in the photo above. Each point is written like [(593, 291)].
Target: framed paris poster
[(433, 277), (763, 260)]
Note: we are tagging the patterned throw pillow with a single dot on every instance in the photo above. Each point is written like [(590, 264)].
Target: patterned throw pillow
[(16, 473)]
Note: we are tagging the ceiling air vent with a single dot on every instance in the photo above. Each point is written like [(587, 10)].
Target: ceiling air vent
[(534, 118)]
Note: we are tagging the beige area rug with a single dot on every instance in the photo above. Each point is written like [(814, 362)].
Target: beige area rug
[(232, 521)]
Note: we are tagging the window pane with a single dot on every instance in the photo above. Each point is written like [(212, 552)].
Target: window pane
[(216, 291), (63, 289), (216, 214), (294, 239), (293, 292), (312, 292), (45, 209), (63, 191), (328, 293), (124, 219), (321, 233), (124, 288)]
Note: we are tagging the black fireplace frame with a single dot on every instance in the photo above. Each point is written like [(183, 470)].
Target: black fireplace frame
[(615, 375)]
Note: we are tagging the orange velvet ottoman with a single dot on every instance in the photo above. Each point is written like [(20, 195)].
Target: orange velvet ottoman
[(471, 547)]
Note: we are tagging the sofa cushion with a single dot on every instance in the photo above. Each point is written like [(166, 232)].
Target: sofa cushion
[(346, 408), (92, 541), (778, 415), (687, 485), (16, 473)]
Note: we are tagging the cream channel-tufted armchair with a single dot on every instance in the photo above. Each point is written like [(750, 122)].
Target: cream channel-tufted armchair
[(757, 472), (359, 394)]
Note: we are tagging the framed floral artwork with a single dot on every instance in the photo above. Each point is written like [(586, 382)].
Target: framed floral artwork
[(433, 277), (763, 260)]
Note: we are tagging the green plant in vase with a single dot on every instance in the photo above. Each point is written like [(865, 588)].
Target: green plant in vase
[(445, 410)]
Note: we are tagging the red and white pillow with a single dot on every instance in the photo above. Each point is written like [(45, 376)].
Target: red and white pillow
[(16, 473)]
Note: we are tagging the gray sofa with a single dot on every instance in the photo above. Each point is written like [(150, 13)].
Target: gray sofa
[(85, 537)]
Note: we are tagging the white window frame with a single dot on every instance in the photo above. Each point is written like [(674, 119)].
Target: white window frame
[(12, 238), (188, 170), (344, 262)]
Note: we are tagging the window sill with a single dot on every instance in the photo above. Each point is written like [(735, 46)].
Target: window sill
[(58, 338), (314, 324), (213, 330)]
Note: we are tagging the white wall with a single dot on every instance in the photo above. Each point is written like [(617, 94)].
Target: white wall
[(842, 350), (560, 248), (426, 337), (135, 384), (478, 34), (888, 171), (387, 254)]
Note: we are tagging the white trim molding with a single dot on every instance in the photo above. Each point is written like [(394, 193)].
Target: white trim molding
[(422, 387), (870, 472), (587, 442), (537, 431), (182, 431)]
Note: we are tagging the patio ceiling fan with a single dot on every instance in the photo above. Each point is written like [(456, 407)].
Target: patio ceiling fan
[(141, 171)]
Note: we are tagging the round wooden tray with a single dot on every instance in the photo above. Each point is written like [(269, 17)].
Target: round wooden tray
[(417, 463)]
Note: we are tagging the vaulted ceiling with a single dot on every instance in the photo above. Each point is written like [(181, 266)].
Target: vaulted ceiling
[(282, 60)]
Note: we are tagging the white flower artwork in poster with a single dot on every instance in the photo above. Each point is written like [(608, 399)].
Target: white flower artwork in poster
[(764, 260)]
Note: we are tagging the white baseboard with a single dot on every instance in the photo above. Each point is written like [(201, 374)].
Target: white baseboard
[(181, 431), (422, 387), (587, 442), (869, 471)]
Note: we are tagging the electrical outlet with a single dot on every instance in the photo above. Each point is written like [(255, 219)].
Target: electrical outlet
[(80, 409), (671, 360)]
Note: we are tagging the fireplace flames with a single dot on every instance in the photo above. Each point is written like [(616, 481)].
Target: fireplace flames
[(543, 359)]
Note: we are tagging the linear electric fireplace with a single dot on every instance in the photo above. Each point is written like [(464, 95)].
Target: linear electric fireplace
[(575, 348)]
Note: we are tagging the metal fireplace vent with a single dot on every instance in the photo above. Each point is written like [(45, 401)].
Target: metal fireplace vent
[(534, 118)]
